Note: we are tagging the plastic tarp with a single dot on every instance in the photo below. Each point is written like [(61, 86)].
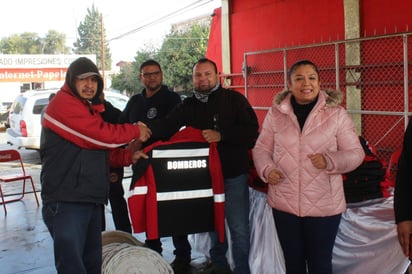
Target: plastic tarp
[(366, 241)]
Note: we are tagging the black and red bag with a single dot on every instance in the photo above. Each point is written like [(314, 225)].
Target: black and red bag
[(369, 180)]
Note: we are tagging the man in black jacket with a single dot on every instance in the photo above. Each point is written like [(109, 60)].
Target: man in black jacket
[(154, 102), (403, 194), (226, 117), (118, 204)]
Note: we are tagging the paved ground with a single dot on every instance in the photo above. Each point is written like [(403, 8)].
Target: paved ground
[(25, 243)]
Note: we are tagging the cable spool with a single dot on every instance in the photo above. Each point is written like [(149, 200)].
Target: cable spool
[(117, 236), (123, 258), (124, 254)]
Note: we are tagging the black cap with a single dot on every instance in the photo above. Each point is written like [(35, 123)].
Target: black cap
[(82, 68)]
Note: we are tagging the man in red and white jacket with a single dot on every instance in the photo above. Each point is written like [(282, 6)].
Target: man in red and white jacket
[(75, 167)]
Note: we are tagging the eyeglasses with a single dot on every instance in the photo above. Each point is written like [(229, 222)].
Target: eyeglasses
[(149, 74)]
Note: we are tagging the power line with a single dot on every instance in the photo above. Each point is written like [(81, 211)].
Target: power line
[(187, 8)]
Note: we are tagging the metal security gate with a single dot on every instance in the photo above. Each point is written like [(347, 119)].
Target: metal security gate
[(373, 73)]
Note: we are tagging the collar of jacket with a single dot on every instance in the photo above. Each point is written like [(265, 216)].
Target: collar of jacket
[(332, 97)]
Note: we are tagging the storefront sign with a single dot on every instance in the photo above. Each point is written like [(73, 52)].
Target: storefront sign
[(36, 67)]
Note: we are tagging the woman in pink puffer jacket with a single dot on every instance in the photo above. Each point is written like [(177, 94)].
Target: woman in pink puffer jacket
[(307, 141)]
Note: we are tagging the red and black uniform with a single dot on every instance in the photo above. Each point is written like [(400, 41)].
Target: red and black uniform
[(179, 189)]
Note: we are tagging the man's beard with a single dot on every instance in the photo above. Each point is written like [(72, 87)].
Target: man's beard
[(153, 88)]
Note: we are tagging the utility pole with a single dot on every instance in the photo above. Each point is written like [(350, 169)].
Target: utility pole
[(102, 59)]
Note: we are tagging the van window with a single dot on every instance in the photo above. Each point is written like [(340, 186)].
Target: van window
[(39, 105), (18, 105)]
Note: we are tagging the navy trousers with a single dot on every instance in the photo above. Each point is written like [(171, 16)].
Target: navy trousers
[(76, 232), (307, 242)]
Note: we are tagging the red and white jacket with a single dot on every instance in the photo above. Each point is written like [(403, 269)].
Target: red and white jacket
[(180, 189), (74, 154)]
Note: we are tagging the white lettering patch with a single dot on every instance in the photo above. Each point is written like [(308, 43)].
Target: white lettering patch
[(189, 164)]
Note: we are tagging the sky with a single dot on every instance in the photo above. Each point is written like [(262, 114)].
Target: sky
[(120, 17)]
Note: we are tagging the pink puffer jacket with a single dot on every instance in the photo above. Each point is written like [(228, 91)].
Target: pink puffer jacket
[(305, 190)]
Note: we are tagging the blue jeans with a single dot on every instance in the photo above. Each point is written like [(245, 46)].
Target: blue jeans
[(237, 218), (77, 239), (307, 242)]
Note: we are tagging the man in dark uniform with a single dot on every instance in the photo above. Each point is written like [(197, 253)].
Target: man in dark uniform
[(118, 204), (227, 118), (154, 102)]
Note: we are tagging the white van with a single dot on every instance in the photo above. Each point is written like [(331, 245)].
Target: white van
[(25, 112), (24, 118)]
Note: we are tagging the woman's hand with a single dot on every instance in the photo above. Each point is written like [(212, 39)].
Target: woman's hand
[(318, 160), (275, 176)]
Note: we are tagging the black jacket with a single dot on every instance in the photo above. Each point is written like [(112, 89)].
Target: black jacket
[(111, 115), (228, 112), (403, 186), (141, 108)]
